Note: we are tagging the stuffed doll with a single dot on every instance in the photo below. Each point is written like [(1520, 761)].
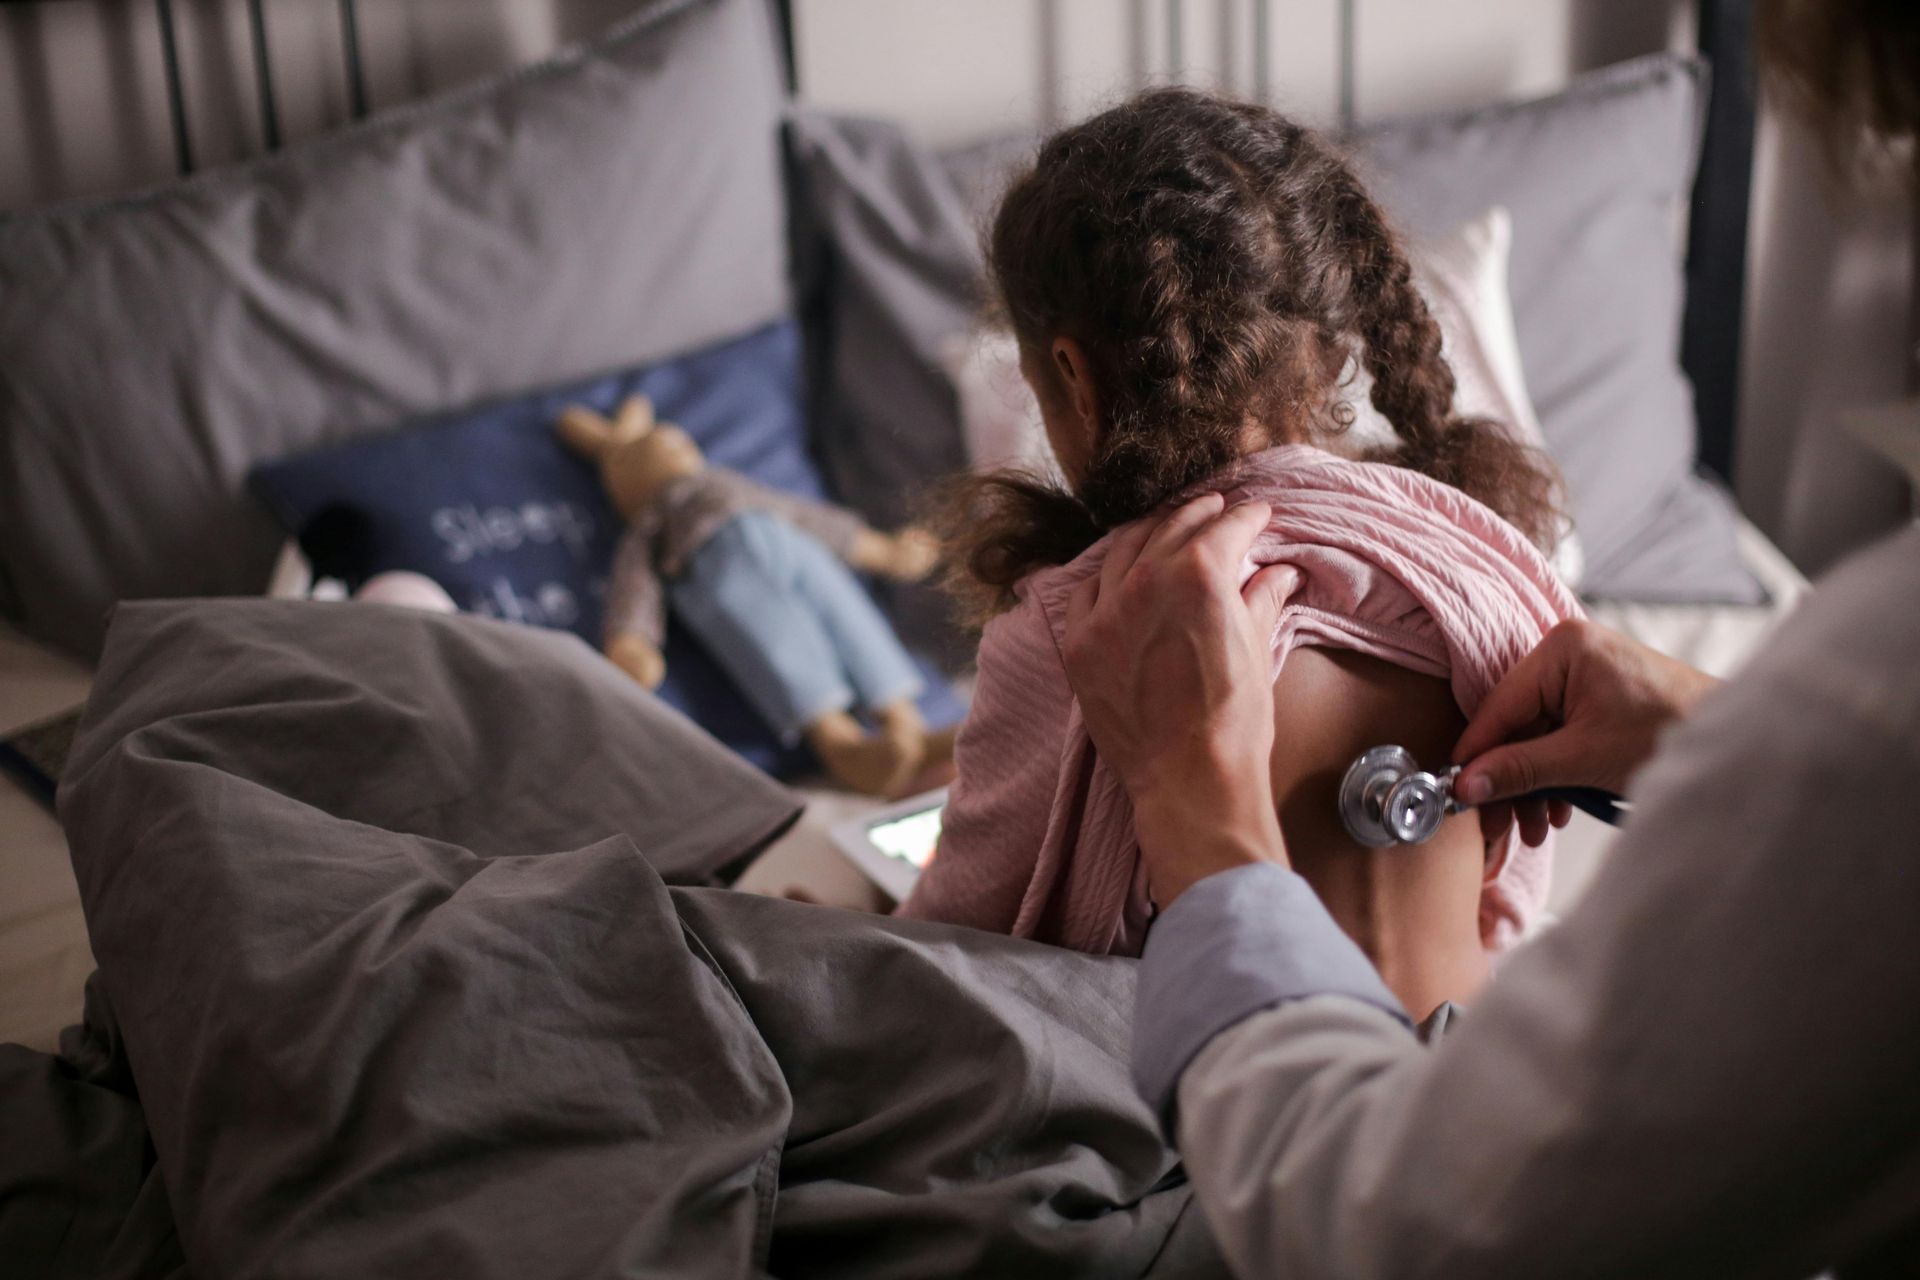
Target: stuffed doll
[(761, 578)]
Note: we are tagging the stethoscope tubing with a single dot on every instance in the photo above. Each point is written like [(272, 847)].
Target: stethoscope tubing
[(1604, 805)]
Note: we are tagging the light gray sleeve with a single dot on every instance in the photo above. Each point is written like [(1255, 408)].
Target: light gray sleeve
[(1706, 1070), (1234, 944)]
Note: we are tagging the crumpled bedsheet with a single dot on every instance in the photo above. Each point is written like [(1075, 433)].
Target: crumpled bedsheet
[(412, 963)]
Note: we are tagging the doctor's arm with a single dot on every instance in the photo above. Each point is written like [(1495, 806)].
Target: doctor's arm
[(1704, 1071)]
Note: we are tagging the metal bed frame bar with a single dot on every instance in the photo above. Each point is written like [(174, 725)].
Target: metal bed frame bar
[(269, 107), (268, 103), (1717, 234)]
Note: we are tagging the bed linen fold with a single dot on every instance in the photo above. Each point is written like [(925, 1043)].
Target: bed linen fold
[(394, 982)]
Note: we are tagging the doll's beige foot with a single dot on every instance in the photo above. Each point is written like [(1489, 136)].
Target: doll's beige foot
[(936, 758), (637, 656), (939, 746), (877, 764), (901, 721)]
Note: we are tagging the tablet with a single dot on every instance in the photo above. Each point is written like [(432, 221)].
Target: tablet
[(892, 846)]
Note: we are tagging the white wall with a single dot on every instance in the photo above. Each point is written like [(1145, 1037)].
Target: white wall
[(982, 66), (977, 67), (82, 113)]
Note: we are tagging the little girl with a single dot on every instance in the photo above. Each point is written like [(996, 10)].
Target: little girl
[(1190, 281)]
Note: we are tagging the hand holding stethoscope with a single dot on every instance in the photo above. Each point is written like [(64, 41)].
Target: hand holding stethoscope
[(1387, 799), (1602, 698)]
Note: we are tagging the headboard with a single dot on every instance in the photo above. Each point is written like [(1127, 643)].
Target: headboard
[(1717, 232), (1717, 228)]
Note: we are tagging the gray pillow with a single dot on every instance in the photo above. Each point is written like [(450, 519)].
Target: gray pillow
[(982, 170), (892, 272), (1597, 179), (617, 204), (889, 268)]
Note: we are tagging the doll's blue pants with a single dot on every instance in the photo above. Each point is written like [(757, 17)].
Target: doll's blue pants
[(790, 624)]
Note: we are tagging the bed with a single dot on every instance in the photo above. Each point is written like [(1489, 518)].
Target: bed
[(261, 312)]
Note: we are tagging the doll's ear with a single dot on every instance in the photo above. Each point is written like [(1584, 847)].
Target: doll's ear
[(634, 420), (585, 431)]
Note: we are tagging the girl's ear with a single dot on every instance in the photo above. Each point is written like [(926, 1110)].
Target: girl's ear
[(1076, 378)]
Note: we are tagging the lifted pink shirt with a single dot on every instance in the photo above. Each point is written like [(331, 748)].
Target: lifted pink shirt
[(1038, 838)]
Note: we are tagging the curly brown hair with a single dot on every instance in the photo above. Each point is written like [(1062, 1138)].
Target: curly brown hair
[(1219, 265)]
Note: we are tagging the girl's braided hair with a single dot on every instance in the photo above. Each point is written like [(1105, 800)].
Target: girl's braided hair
[(1219, 265)]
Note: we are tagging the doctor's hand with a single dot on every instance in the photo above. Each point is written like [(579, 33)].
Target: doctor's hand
[(1171, 660), (1584, 709)]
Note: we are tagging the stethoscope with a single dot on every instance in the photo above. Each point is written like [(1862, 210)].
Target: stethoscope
[(1387, 799)]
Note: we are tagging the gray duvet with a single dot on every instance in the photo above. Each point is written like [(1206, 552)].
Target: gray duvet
[(412, 963)]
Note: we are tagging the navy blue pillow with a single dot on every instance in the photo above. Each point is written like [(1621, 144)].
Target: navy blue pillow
[(495, 508)]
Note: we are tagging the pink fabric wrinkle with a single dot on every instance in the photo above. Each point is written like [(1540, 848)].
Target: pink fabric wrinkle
[(1038, 838)]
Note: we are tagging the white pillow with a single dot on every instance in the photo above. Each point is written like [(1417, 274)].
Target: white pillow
[(1463, 276)]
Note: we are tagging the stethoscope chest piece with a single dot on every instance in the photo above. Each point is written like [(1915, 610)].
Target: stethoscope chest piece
[(1386, 799)]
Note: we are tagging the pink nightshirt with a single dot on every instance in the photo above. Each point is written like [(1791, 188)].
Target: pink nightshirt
[(1038, 836)]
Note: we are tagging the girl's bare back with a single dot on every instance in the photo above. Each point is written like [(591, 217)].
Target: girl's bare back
[(1414, 909)]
